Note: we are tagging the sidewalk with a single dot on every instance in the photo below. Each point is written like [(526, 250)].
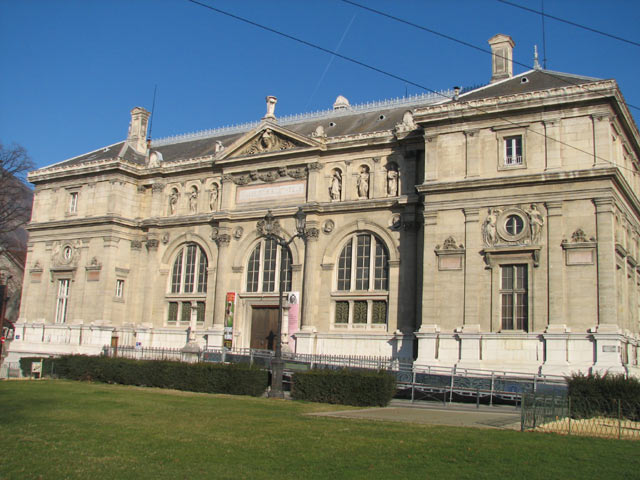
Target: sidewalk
[(457, 415)]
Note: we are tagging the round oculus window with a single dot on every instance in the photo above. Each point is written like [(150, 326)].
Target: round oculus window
[(514, 225)]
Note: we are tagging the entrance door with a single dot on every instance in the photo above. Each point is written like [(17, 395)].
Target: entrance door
[(264, 324)]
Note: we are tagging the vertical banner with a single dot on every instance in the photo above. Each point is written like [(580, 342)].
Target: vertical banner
[(229, 314), (293, 298)]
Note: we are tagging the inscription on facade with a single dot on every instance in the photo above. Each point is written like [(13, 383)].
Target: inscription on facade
[(283, 191)]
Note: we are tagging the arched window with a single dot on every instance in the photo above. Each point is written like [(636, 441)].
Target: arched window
[(188, 287), (263, 268), (363, 274)]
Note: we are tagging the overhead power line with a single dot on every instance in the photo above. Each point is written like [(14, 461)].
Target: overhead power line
[(569, 22), (392, 75), (462, 42)]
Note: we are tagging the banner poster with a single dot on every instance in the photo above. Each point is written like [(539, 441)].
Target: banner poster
[(229, 314), (293, 298)]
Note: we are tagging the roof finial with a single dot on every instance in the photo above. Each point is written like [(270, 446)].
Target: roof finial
[(536, 64), (271, 107)]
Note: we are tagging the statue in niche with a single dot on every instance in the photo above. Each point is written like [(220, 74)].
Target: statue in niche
[(363, 182), (392, 181), (173, 201), (335, 189), (193, 200), (489, 228), (536, 222), (213, 197)]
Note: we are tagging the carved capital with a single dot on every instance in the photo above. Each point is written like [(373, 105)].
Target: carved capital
[(314, 167), (136, 244), (157, 187), (152, 244), (226, 178), (312, 233), (223, 240)]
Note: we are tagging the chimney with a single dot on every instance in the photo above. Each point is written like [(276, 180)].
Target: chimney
[(137, 137), (501, 57)]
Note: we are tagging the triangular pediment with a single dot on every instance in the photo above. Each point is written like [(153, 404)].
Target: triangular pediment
[(269, 138)]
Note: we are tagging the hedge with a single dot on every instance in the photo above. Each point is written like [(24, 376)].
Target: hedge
[(594, 395), (48, 368), (195, 377), (345, 387)]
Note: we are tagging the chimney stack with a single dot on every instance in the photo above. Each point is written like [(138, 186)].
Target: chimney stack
[(501, 57), (137, 137)]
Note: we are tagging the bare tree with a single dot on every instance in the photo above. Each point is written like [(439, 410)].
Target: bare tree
[(15, 196)]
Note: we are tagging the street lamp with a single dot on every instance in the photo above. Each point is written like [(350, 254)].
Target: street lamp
[(269, 228)]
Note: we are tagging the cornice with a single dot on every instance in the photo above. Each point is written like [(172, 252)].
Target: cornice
[(492, 105), (82, 222)]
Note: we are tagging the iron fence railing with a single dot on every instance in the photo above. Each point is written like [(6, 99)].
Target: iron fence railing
[(585, 416)]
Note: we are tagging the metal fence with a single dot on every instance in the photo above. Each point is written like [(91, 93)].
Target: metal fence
[(144, 353), (10, 370), (584, 416)]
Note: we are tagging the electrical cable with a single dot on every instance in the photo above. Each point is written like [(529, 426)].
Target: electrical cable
[(462, 42), (569, 22), (392, 75)]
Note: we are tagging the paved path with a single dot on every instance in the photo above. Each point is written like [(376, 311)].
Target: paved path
[(438, 414)]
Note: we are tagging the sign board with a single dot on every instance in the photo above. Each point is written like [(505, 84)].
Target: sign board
[(36, 367), (284, 191), (293, 299), (229, 314)]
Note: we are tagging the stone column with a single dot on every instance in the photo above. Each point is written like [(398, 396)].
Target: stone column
[(555, 268), (607, 287), (553, 159), (311, 275), (159, 201), (314, 182), (222, 271), (150, 281), (472, 154), (473, 268), (602, 144), (430, 158)]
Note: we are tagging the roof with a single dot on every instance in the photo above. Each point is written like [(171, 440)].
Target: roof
[(531, 81), (353, 120)]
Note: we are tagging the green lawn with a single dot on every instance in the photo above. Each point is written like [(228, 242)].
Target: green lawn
[(63, 429)]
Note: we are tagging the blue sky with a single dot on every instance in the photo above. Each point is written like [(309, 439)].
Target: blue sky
[(72, 70)]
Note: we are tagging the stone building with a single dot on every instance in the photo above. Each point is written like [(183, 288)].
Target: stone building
[(495, 228)]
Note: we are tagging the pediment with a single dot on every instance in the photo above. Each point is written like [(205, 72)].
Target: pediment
[(269, 138)]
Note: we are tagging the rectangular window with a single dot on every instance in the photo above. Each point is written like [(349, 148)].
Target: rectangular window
[(513, 150), (200, 313), (381, 268), (185, 313), (176, 274), (119, 288), (344, 268), (514, 297), (73, 202), (62, 300), (253, 272), (190, 269), (363, 257), (379, 312), (269, 274), (172, 317), (342, 312), (360, 311), (287, 268)]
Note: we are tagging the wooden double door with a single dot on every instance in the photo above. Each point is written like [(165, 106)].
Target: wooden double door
[(264, 325)]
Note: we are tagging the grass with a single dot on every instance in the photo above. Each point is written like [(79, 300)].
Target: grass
[(62, 429)]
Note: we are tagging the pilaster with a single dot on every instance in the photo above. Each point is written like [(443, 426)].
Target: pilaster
[(555, 264), (607, 285), (430, 158), (311, 287), (473, 267), (222, 240)]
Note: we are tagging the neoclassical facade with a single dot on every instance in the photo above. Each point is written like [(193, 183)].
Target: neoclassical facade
[(495, 228)]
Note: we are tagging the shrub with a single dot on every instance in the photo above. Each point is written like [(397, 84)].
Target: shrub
[(595, 395), (345, 387), (195, 377), (47, 365)]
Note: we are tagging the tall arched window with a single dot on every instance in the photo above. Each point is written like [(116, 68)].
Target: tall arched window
[(263, 268), (362, 282), (188, 287)]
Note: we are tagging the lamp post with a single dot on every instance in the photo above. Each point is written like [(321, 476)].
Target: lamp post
[(269, 228)]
